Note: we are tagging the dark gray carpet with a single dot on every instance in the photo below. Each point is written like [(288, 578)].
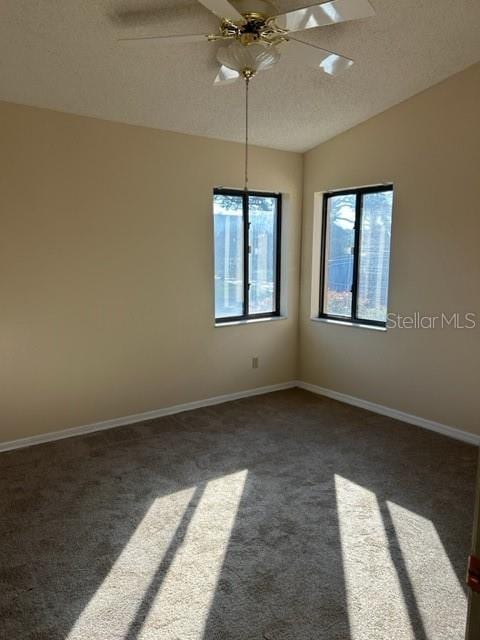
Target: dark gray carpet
[(285, 516)]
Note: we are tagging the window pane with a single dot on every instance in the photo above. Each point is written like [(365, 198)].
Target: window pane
[(228, 226), (262, 254), (374, 256), (340, 241)]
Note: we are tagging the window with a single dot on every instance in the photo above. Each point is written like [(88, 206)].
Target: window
[(356, 234), (247, 254)]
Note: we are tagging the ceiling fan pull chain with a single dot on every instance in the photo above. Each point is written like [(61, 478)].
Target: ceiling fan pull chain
[(247, 84)]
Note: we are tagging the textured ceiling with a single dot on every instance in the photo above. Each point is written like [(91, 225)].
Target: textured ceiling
[(63, 54)]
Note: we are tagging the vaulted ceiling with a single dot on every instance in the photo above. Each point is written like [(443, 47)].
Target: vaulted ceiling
[(64, 55)]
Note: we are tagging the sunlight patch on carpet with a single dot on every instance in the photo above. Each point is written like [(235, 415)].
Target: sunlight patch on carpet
[(431, 574), (182, 605), (113, 607), (376, 606)]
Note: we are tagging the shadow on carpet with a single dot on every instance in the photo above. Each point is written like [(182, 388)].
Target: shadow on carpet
[(285, 517)]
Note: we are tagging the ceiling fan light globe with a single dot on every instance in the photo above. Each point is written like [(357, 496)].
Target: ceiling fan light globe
[(255, 57)]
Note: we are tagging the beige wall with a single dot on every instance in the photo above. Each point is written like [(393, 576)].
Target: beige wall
[(106, 271), (106, 266), (429, 147)]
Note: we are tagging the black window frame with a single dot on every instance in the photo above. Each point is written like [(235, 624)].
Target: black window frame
[(278, 244), (359, 192)]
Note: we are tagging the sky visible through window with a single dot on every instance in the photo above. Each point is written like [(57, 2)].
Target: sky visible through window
[(228, 226), (373, 255), (229, 255)]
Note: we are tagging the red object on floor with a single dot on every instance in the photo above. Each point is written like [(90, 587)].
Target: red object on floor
[(473, 573)]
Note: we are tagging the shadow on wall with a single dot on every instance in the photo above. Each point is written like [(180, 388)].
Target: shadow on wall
[(285, 516)]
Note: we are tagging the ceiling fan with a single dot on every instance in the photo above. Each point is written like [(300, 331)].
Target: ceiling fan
[(254, 31)]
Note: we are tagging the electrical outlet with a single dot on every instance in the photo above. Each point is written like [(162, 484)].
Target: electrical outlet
[(255, 362)]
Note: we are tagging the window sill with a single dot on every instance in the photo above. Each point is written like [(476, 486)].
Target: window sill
[(250, 321), (346, 323)]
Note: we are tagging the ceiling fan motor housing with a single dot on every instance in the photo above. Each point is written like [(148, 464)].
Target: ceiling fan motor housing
[(255, 8), (257, 26)]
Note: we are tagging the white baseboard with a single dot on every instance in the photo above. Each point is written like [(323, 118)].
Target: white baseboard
[(445, 430), (140, 417)]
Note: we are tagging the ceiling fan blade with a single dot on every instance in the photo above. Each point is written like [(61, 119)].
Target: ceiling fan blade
[(326, 13), (310, 54), (226, 76), (222, 9), (165, 39)]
